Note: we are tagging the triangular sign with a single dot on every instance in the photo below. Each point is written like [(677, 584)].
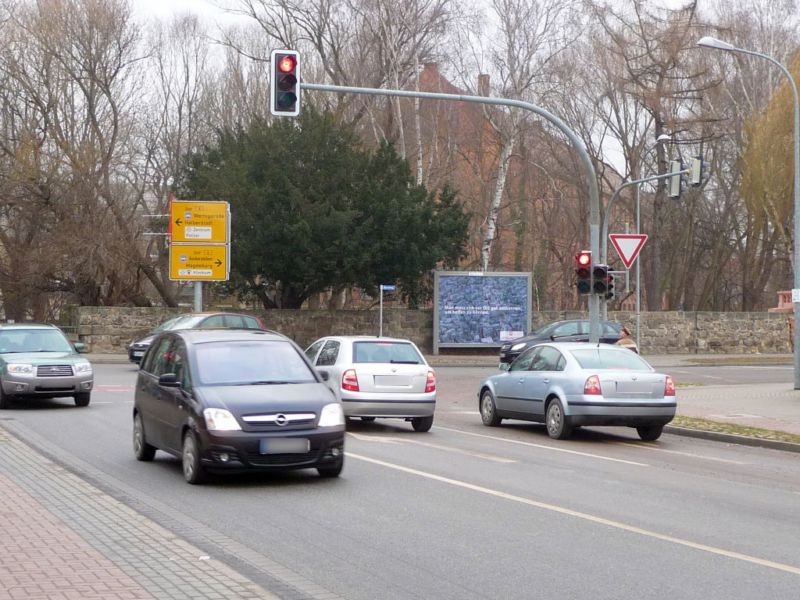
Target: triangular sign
[(628, 246)]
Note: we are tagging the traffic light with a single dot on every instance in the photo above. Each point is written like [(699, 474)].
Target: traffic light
[(600, 279), (285, 95), (611, 292), (583, 271)]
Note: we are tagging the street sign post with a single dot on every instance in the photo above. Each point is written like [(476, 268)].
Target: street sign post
[(199, 262), (628, 246)]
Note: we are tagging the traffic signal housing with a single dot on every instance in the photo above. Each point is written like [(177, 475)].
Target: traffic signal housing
[(600, 280), (285, 94), (583, 272), (611, 291)]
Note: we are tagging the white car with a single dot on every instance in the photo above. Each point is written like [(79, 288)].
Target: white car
[(377, 377)]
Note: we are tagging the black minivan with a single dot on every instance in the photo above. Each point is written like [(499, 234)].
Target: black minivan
[(235, 400)]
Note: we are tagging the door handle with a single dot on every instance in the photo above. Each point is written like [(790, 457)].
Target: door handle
[(545, 380), (521, 380)]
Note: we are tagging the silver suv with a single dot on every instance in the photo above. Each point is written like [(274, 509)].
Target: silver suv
[(39, 361)]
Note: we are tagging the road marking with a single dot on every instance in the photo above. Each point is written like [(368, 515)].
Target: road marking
[(395, 440), (657, 449), (111, 402), (584, 516), (542, 446), (114, 388)]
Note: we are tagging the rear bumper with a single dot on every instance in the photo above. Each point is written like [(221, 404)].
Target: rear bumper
[(386, 406), (587, 412)]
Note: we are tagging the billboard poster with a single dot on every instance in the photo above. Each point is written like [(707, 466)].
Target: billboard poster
[(476, 309)]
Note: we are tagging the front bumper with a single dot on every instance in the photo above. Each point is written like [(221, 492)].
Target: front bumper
[(47, 387), (136, 353), (244, 451)]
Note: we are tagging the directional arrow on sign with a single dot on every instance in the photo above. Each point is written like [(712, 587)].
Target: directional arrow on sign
[(628, 246)]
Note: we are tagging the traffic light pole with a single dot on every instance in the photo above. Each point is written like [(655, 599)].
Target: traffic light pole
[(594, 194)]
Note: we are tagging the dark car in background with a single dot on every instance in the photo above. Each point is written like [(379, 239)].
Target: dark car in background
[(235, 400), (215, 320), (573, 330)]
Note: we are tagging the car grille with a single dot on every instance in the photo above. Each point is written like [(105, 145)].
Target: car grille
[(54, 371), (292, 421), (265, 460)]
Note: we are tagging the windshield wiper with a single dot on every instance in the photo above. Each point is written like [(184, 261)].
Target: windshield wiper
[(404, 362), (268, 382)]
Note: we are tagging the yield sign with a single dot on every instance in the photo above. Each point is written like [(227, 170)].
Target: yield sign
[(628, 246)]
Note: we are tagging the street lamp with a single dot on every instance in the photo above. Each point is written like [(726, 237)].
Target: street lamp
[(710, 42)]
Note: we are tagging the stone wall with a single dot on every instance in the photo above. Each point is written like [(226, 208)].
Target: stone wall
[(109, 329)]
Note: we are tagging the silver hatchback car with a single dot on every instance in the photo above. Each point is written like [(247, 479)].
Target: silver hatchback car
[(378, 377), (566, 385)]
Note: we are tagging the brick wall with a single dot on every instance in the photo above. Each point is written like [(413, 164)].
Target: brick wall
[(109, 329)]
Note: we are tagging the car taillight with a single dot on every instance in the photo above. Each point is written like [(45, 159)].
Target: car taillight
[(350, 381), (669, 387), (592, 386), (430, 382)]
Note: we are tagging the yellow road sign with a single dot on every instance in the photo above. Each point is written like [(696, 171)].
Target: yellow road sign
[(199, 222), (198, 262)]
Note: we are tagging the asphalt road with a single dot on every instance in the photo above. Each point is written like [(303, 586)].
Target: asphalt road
[(467, 511)]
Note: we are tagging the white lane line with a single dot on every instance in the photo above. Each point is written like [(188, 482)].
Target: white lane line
[(395, 440), (111, 402), (700, 456), (585, 516), (542, 446)]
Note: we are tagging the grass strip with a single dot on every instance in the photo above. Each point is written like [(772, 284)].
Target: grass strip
[(716, 426)]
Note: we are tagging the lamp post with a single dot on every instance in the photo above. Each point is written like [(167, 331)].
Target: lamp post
[(710, 42)]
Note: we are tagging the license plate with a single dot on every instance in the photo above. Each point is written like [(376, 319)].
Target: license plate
[(283, 446), (138, 353)]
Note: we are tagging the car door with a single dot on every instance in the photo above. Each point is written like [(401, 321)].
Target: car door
[(326, 362), (545, 368), (178, 402), (509, 388), (150, 395)]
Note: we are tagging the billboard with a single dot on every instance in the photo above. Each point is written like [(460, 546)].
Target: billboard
[(476, 309)]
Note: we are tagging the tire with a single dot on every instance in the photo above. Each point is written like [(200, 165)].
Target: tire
[(83, 399), (558, 425), (193, 471), (141, 449), (488, 410), (368, 419), (331, 472), (5, 400), (422, 424), (650, 433)]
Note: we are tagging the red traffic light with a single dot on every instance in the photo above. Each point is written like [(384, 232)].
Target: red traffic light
[(287, 63), (584, 258)]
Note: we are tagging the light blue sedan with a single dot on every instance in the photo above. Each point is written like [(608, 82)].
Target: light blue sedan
[(566, 385)]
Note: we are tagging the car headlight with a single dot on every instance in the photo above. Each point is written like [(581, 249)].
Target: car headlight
[(331, 415), (83, 368), (519, 346), (219, 419), (21, 369)]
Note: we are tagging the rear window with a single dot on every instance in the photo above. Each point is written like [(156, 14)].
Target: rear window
[(386, 352), (610, 358), (243, 363)]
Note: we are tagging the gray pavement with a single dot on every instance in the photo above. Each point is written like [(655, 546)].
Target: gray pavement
[(62, 537)]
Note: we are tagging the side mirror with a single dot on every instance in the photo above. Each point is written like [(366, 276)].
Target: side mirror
[(80, 347), (324, 374), (505, 366), (169, 380)]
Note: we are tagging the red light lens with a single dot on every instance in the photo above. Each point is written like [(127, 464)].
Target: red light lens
[(286, 64), (669, 387), (592, 386), (584, 258), (350, 381), (430, 382)]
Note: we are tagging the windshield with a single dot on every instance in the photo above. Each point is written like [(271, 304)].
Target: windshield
[(386, 352), (251, 363), (610, 358), (33, 340)]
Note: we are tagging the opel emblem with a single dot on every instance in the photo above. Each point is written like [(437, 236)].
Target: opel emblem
[(281, 420)]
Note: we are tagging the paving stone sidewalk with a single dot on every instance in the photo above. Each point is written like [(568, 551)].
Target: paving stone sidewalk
[(62, 538)]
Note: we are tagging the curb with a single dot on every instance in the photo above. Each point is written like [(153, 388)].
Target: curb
[(731, 438)]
